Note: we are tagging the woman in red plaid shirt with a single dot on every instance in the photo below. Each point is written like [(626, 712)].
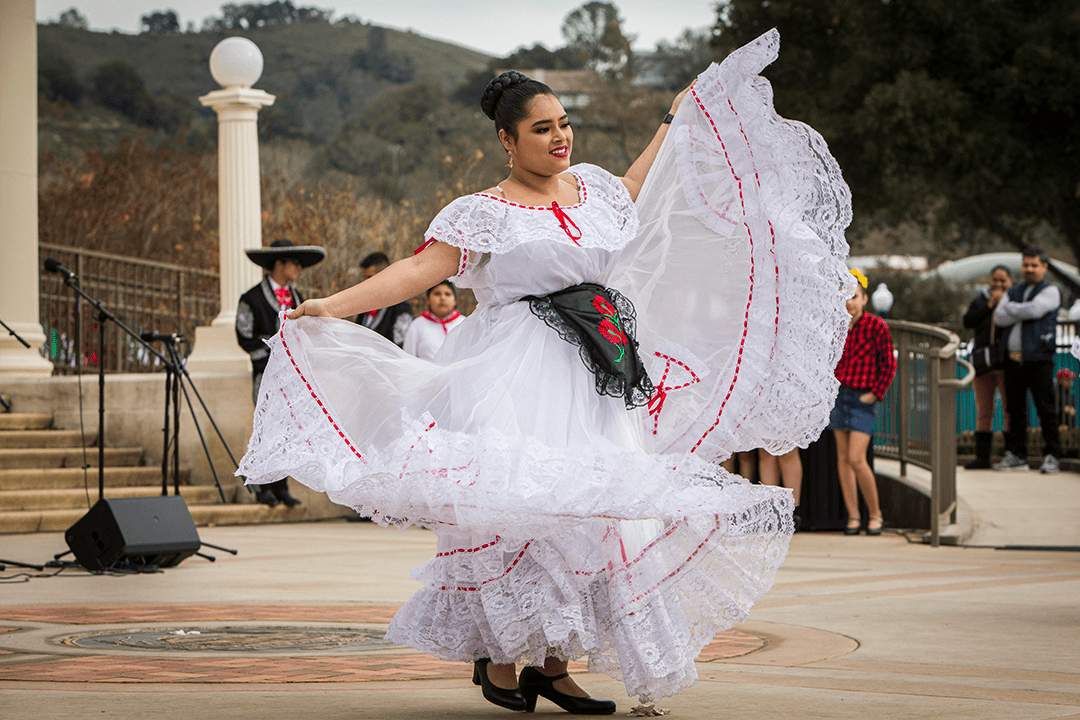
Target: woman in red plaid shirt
[(865, 370)]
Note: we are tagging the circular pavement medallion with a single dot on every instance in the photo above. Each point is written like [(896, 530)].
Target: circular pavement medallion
[(232, 639)]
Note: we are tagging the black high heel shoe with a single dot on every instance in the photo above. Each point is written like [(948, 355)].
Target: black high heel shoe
[(509, 699), (532, 682)]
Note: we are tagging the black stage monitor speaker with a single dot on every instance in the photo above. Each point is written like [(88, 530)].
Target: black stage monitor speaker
[(148, 531)]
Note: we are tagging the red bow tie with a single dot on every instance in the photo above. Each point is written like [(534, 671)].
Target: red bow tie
[(284, 297)]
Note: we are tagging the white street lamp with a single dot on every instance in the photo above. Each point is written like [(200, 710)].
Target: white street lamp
[(882, 300)]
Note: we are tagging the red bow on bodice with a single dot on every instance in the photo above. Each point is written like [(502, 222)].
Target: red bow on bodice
[(566, 223), (284, 297)]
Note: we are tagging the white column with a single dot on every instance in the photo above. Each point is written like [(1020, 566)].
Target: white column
[(240, 216), (19, 268)]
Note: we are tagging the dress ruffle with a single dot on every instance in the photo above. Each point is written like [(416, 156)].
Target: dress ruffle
[(634, 559), (641, 615), (488, 481), (738, 271)]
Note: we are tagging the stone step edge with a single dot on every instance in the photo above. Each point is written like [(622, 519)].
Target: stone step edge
[(12, 420), (203, 516), (34, 500)]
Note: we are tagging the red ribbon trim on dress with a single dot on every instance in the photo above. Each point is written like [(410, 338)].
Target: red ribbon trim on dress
[(566, 223)]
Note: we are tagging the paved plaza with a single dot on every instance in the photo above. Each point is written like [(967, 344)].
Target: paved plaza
[(856, 627)]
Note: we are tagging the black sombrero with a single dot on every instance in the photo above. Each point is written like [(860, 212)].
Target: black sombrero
[(306, 255)]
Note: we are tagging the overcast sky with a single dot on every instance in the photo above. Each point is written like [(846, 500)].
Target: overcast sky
[(496, 27)]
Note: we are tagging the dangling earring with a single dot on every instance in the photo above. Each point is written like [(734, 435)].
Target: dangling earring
[(511, 163)]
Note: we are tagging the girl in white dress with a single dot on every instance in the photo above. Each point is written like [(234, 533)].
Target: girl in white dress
[(427, 333), (569, 469)]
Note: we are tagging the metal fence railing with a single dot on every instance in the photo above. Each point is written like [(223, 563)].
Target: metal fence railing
[(916, 420), (144, 295)]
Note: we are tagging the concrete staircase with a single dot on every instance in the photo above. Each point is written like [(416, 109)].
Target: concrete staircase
[(43, 486)]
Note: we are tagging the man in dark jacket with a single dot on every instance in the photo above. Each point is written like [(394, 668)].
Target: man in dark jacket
[(1028, 316), (257, 319), (392, 322)]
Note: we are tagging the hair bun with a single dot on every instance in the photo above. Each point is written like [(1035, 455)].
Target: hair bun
[(490, 99)]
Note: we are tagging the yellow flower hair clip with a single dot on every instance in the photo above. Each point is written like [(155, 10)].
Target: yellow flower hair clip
[(859, 276)]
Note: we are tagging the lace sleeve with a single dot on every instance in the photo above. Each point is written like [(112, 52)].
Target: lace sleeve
[(474, 226), (610, 189)]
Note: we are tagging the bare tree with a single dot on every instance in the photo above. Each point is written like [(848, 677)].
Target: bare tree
[(595, 28), (74, 19)]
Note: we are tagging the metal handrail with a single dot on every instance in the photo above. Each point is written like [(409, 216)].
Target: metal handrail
[(916, 421), (147, 295)]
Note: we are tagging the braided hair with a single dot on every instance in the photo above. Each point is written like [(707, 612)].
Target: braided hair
[(506, 99)]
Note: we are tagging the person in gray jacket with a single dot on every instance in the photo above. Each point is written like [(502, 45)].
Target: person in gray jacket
[(1028, 316)]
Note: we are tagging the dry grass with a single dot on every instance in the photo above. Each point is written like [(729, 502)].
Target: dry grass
[(158, 205)]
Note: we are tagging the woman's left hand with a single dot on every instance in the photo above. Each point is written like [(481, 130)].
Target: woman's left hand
[(678, 98), (868, 397), (315, 307)]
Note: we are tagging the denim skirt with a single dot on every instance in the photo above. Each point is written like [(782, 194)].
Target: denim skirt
[(851, 413)]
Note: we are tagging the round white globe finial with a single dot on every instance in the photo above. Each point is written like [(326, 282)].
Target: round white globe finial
[(236, 61), (882, 299)]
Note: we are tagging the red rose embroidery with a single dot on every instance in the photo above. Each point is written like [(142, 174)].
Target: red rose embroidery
[(612, 332), (603, 306), (610, 327)]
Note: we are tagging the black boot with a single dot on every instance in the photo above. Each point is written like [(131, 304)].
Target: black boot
[(265, 495), (983, 441), (281, 492)]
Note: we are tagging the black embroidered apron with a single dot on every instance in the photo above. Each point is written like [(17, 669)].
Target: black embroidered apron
[(601, 322)]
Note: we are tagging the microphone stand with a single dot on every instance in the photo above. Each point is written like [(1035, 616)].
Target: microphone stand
[(5, 403), (175, 375), (174, 368), (103, 316)]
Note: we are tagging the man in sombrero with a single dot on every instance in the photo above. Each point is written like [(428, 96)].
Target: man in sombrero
[(257, 319)]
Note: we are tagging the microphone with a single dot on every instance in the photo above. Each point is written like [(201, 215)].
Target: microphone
[(53, 265), (156, 336)]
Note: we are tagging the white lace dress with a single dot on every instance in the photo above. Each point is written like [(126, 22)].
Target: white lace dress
[(568, 525)]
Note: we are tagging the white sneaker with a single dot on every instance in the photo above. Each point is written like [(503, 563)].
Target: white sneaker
[(1050, 465), (1013, 463)]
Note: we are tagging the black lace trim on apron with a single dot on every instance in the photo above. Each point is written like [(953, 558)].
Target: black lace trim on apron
[(602, 323)]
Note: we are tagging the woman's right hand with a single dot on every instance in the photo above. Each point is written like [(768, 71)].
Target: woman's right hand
[(315, 308)]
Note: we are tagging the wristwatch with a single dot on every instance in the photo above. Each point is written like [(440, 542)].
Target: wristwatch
[(668, 118)]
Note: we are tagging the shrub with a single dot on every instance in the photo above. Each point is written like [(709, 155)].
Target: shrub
[(118, 85), (57, 80)]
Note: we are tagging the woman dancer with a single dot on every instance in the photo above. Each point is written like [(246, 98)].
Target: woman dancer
[(986, 356), (572, 519)]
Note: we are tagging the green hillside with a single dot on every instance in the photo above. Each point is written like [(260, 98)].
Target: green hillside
[(179, 62), (310, 67)]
